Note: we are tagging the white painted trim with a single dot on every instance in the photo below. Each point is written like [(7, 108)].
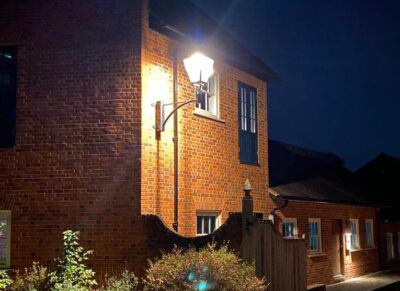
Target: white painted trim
[(294, 221), (216, 214), (318, 221), (355, 220), (371, 222), (389, 234)]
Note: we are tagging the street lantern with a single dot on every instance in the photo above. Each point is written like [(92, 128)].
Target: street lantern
[(199, 69)]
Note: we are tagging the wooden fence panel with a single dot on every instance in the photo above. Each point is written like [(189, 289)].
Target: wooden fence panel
[(281, 261)]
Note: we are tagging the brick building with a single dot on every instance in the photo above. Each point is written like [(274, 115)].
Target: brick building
[(381, 175), (319, 199), (78, 147)]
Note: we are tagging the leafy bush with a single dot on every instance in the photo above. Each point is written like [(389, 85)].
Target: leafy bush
[(207, 269), (126, 282), (35, 278), (72, 274), (5, 280)]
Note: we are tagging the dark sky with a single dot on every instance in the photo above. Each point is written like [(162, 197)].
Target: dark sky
[(339, 65)]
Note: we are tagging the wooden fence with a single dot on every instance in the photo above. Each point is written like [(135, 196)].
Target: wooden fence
[(281, 261)]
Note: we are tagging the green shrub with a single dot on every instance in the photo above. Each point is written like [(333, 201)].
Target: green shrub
[(35, 278), (5, 279), (72, 274), (207, 269), (126, 282)]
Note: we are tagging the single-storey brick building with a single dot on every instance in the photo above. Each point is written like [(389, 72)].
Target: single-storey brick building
[(319, 199)]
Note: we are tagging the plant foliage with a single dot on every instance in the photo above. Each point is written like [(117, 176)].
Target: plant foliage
[(72, 274), (126, 282), (35, 278), (5, 279), (207, 269)]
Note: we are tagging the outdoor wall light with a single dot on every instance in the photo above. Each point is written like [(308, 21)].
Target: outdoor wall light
[(199, 69)]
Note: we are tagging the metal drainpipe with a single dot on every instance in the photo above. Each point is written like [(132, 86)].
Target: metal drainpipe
[(285, 203), (175, 139)]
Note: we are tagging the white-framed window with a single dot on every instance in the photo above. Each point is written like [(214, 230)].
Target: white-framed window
[(369, 233), (289, 227), (5, 238), (209, 102), (354, 234), (207, 222), (314, 235), (389, 246), (398, 243)]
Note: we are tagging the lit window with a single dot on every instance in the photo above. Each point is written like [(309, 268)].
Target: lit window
[(289, 227), (5, 238), (314, 235), (355, 237), (207, 223), (369, 232), (8, 91), (209, 101), (389, 246)]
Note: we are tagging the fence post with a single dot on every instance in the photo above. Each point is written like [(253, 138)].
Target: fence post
[(247, 223)]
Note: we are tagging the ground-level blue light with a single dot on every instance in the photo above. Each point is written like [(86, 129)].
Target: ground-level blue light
[(202, 286)]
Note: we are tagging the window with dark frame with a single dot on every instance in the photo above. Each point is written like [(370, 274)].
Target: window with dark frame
[(248, 139), (8, 90)]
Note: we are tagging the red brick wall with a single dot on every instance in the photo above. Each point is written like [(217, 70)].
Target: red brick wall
[(394, 228), (76, 160), (211, 176), (320, 268), (83, 130)]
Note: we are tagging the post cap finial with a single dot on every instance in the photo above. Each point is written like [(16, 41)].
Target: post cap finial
[(247, 185)]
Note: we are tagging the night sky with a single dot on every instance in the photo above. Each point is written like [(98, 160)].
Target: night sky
[(339, 68)]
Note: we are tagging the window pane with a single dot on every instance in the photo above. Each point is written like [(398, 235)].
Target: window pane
[(206, 224), (212, 219), (199, 224), (3, 239), (201, 101)]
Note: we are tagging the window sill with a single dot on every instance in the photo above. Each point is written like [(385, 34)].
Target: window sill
[(356, 250), (206, 114), (312, 255), (250, 164)]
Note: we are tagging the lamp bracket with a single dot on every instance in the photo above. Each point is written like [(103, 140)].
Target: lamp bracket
[(161, 120)]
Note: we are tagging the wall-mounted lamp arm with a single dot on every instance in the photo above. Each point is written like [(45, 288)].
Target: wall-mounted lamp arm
[(160, 125)]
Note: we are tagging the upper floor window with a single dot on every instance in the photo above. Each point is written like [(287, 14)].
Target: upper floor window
[(5, 238), (314, 235), (207, 222), (289, 227), (8, 90), (355, 234), (369, 232), (248, 143), (209, 101)]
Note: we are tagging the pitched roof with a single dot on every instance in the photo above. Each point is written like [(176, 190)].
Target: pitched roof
[(382, 175), (184, 21), (297, 173)]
